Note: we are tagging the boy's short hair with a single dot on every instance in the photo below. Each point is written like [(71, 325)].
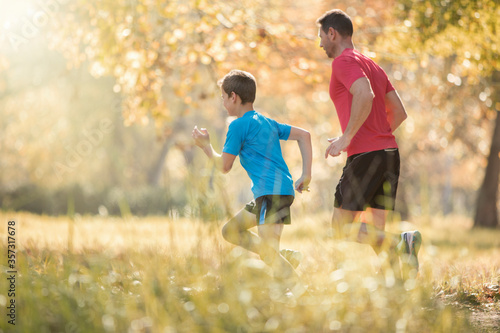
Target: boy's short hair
[(241, 83), (337, 20)]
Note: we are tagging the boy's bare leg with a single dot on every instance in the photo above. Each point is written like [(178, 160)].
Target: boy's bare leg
[(236, 232), (270, 251), (265, 244)]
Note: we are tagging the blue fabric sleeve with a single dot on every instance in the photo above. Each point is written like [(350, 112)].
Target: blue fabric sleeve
[(283, 129), (234, 139)]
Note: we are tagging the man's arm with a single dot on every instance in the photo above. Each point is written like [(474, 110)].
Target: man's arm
[(362, 99), (396, 112), (303, 138), (222, 162)]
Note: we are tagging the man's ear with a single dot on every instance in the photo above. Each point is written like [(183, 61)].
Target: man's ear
[(332, 32)]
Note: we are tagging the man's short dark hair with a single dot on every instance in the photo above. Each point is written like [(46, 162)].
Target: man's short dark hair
[(241, 83), (337, 20)]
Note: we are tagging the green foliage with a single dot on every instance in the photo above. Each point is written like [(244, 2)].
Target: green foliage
[(443, 57), (466, 30), (162, 54), (162, 60)]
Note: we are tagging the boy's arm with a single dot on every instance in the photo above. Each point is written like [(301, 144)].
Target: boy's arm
[(396, 112), (222, 162), (303, 138)]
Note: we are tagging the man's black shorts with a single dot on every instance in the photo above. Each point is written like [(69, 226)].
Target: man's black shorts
[(369, 180), (271, 209)]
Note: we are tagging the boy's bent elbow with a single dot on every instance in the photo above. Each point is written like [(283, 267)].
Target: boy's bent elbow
[(227, 161), (299, 134), (306, 136), (226, 167)]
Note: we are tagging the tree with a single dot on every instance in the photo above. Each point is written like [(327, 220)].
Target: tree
[(167, 56), (462, 38), (486, 211)]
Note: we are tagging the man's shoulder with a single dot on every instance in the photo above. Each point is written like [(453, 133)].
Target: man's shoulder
[(346, 60)]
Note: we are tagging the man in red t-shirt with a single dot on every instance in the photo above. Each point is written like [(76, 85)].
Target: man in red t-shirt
[(369, 110)]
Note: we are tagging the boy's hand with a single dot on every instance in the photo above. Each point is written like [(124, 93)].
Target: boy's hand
[(302, 184), (201, 137)]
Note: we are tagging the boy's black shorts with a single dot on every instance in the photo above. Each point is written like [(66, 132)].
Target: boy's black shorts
[(369, 180), (271, 209)]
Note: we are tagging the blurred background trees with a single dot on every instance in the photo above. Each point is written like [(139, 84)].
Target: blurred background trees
[(456, 45), (98, 99)]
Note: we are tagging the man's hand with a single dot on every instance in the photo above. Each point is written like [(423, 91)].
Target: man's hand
[(337, 146), (201, 137), (362, 100)]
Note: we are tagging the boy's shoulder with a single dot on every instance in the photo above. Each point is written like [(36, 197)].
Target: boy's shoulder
[(241, 120), (248, 117), (253, 118), (260, 117)]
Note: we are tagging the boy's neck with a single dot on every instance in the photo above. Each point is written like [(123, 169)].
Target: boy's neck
[(243, 108)]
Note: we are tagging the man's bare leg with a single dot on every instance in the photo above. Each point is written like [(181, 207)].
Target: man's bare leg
[(342, 221), (371, 233)]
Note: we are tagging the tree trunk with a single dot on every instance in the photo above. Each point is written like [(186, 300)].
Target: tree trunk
[(486, 208), (154, 173)]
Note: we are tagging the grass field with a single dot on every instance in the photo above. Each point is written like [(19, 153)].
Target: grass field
[(153, 274)]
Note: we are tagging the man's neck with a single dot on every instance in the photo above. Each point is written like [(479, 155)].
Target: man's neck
[(346, 44)]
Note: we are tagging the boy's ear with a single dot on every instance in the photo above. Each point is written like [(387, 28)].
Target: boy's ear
[(234, 96)]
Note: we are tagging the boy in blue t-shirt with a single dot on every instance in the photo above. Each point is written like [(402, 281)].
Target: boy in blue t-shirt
[(256, 139)]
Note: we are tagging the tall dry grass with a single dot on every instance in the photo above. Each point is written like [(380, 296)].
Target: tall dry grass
[(154, 274)]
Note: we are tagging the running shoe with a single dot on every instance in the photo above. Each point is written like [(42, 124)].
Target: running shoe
[(408, 248), (293, 257)]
